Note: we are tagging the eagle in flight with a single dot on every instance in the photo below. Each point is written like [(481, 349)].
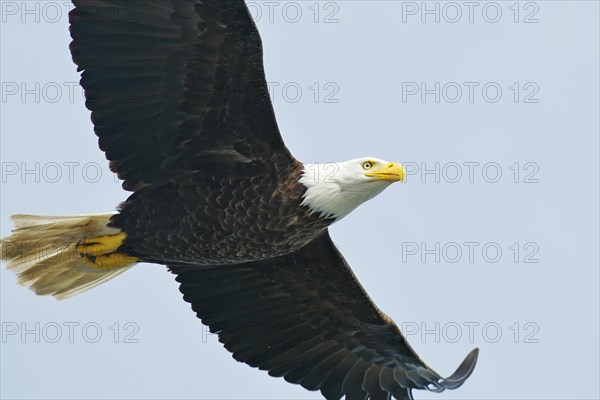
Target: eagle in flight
[(180, 105)]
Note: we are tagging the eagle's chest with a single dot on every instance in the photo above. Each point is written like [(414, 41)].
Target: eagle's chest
[(240, 221), (253, 222)]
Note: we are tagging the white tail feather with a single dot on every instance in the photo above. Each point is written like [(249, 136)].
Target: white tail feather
[(41, 250)]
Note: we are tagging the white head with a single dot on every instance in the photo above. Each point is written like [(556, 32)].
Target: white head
[(335, 189)]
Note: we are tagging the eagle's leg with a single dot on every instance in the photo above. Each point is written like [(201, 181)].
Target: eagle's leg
[(100, 252)]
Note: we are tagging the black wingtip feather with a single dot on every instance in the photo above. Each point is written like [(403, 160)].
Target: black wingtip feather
[(462, 373)]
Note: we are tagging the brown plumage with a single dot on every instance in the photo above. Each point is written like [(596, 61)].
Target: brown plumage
[(304, 316), (176, 89), (219, 220)]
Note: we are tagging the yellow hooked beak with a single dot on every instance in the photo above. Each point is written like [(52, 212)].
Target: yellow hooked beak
[(391, 172)]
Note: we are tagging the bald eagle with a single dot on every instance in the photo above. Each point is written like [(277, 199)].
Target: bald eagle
[(180, 105)]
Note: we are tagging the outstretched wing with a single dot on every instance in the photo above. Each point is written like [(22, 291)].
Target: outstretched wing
[(176, 87), (305, 316)]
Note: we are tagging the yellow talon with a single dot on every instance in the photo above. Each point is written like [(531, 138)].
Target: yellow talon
[(100, 252), (100, 244)]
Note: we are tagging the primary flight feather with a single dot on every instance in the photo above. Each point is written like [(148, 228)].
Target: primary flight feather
[(181, 108)]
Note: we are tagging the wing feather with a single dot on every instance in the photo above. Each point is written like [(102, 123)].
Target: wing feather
[(305, 317), (174, 85)]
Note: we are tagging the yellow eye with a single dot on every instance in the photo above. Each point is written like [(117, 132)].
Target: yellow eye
[(367, 165)]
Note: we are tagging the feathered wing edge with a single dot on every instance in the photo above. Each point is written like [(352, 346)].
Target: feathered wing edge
[(192, 93), (305, 317)]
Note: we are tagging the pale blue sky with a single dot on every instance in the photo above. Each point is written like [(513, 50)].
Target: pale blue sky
[(371, 63)]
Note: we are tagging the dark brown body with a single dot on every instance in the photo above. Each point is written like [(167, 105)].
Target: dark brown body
[(182, 110), (221, 221)]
